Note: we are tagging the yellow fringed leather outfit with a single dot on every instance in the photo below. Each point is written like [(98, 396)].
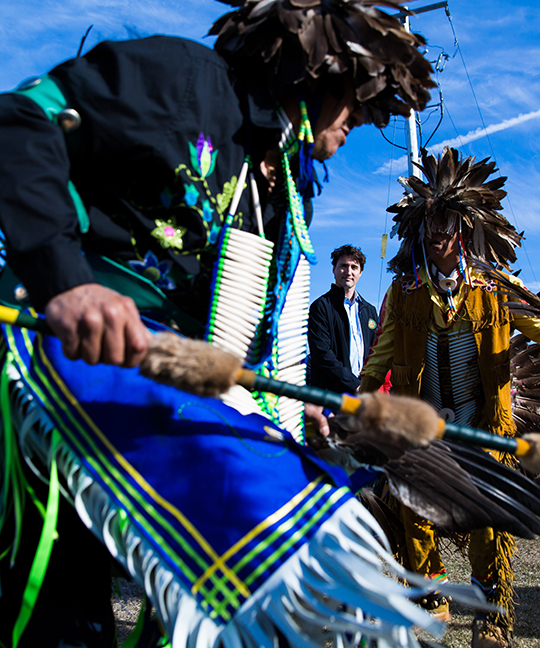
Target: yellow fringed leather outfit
[(414, 312)]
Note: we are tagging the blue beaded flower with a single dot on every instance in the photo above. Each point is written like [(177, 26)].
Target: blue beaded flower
[(213, 234), (207, 211), (191, 195), (154, 270)]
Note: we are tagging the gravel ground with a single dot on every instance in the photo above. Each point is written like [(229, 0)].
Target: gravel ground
[(527, 574), (127, 602)]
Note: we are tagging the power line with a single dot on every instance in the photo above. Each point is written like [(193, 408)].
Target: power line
[(458, 49)]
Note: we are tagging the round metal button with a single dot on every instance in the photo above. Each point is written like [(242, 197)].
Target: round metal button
[(447, 415), (20, 293), (69, 120)]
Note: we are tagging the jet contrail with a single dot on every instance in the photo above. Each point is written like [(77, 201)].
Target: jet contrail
[(401, 164)]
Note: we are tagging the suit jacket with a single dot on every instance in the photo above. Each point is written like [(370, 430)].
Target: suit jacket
[(329, 340)]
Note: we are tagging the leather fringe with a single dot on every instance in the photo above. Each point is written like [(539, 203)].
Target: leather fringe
[(504, 595), (482, 319), (416, 320)]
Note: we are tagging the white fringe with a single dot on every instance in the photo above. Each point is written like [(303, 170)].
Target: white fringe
[(344, 577)]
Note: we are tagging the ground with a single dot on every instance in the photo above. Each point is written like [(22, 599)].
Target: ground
[(526, 567), (527, 631)]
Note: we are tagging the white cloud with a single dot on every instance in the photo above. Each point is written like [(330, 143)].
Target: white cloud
[(401, 163)]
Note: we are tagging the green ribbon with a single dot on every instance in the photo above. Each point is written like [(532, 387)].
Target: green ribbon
[(14, 480), (132, 640), (43, 552)]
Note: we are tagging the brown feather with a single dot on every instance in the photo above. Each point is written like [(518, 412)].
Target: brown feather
[(285, 42), (455, 193)]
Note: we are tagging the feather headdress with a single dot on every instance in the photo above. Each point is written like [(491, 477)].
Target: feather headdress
[(455, 195), (286, 42)]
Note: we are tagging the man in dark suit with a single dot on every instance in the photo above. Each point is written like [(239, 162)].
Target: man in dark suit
[(342, 326)]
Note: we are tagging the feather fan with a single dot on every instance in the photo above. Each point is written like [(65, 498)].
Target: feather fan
[(456, 487)]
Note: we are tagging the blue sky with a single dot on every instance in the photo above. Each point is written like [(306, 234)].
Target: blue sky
[(491, 80)]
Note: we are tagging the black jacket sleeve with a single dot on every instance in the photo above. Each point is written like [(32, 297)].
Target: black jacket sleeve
[(327, 371), (37, 214), (144, 104)]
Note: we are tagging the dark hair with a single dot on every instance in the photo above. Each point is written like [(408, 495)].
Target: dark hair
[(348, 250)]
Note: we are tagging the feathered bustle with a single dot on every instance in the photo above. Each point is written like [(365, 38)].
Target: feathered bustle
[(455, 195), (286, 42), (524, 354)]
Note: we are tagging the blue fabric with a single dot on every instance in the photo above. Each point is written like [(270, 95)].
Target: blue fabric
[(198, 479), (362, 477)]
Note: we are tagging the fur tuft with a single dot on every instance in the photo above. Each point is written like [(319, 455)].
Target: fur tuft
[(397, 418), (190, 365), (531, 461)]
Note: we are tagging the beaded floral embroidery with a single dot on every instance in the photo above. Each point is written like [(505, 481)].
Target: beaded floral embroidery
[(487, 285), (154, 270), (408, 286), (203, 156), (197, 196), (169, 234)]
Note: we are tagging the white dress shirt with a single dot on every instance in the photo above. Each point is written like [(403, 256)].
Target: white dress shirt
[(356, 351)]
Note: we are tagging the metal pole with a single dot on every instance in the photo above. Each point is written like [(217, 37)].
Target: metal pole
[(412, 135), (419, 10), (412, 132)]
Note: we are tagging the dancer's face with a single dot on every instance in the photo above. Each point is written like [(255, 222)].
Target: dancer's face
[(338, 117), (443, 250)]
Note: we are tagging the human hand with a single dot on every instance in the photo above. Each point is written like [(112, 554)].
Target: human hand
[(98, 324), (314, 414)]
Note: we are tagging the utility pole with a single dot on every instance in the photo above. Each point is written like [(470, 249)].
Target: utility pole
[(412, 131)]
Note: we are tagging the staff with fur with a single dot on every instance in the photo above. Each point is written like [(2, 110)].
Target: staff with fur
[(184, 363), (200, 368)]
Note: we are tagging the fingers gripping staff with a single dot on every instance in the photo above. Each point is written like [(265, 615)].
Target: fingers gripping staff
[(98, 325)]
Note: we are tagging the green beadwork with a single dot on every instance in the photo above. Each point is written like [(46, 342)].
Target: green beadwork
[(297, 212), (305, 132), (169, 234), (296, 207)]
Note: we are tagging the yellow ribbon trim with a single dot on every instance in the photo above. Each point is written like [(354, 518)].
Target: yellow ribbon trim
[(138, 478), (272, 519)]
